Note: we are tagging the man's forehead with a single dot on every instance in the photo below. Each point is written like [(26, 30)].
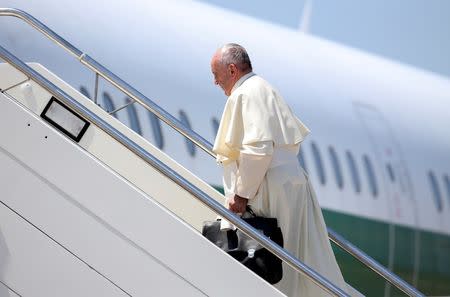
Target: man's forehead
[(215, 61), (217, 54)]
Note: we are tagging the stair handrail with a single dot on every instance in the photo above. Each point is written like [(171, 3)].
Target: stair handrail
[(116, 81), (214, 205), (193, 136)]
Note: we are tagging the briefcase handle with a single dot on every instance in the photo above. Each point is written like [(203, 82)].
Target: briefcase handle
[(250, 210)]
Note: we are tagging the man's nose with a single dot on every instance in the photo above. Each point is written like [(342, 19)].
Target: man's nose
[(216, 82)]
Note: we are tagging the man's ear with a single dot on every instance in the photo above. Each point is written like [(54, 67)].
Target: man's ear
[(233, 69)]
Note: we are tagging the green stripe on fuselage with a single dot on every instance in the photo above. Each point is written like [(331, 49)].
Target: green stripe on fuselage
[(372, 237)]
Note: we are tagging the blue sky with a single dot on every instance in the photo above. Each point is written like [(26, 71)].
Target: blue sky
[(415, 32)]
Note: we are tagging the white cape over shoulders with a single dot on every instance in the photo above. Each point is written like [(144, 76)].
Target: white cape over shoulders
[(255, 112)]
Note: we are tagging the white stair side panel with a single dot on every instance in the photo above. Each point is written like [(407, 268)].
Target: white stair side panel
[(131, 167), (9, 76), (6, 292), (81, 232), (34, 265), (105, 221)]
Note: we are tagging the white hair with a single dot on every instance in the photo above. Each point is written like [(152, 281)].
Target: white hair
[(233, 53)]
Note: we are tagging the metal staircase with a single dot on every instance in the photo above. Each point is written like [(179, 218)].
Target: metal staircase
[(180, 179)]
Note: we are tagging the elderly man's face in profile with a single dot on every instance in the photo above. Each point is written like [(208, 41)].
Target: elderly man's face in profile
[(223, 75)]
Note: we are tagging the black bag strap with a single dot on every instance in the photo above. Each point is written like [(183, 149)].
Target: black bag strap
[(250, 211)]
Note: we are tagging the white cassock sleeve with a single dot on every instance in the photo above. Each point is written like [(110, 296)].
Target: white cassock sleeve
[(254, 161)]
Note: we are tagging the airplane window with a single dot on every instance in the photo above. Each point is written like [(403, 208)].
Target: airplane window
[(301, 159), (336, 167), (85, 92), (436, 192), (319, 164), (447, 186), (390, 172), (370, 176), (215, 125), (354, 172), (190, 145), (109, 104), (156, 129), (132, 116)]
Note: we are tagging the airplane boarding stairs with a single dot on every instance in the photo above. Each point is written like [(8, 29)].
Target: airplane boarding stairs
[(90, 208), (93, 219)]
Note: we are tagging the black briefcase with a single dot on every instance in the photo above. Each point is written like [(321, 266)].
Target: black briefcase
[(248, 251)]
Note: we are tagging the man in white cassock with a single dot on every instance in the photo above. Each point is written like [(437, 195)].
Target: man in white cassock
[(257, 143)]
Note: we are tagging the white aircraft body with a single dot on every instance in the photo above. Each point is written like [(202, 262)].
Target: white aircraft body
[(379, 151)]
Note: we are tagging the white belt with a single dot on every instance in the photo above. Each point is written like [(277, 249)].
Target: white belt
[(283, 156)]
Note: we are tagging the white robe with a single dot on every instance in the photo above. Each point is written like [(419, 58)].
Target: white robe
[(257, 142)]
